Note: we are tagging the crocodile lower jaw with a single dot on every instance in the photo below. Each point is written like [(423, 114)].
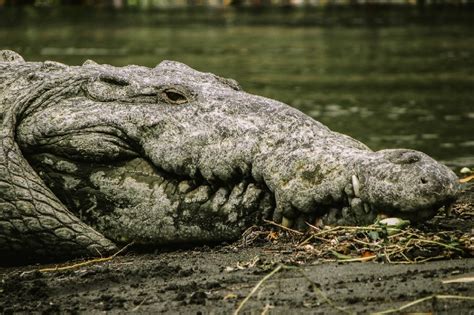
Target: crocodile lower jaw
[(353, 210)]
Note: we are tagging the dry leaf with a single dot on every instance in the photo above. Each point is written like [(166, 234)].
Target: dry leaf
[(230, 296), (367, 253), (272, 236), (466, 179)]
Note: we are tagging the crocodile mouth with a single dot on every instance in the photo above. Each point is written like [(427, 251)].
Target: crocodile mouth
[(350, 210), (353, 210), (134, 200)]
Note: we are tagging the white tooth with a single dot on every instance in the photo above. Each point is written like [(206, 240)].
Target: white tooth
[(318, 222), (356, 185), (286, 222), (395, 222)]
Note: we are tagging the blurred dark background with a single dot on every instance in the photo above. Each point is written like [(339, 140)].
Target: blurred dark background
[(146, 4), (389, 73)]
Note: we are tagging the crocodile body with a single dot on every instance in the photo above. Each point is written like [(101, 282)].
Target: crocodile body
[(94, 156)]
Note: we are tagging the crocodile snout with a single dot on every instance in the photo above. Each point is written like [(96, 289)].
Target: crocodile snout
[(406, 183)]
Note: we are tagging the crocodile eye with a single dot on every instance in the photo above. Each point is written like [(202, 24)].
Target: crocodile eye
[(174, 97)]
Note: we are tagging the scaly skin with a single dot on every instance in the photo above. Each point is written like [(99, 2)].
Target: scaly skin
[(92, 156)]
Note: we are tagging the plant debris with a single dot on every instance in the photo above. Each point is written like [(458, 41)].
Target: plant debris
[(378, 242)]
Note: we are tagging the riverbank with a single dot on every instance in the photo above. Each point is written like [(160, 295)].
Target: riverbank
[(274, 273)]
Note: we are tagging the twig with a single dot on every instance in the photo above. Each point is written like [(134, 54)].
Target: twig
[(429, 259), (358, 259), (283, 227), (138, 306), (432, 242), (306, 240), (318, 238), (321, 232), (441, 244), (397, 234), (406, 258), (441, 297), (459, 280), (255, 288), (367, 228), (365, 243), (387, 256), (266, 309), (88, 262), (317, 233)]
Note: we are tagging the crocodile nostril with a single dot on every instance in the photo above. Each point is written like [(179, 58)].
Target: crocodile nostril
[(424, 180), (411, 157), (404, 157)]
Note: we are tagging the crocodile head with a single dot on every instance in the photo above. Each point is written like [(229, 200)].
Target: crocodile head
[(171, 154), (404, 183)]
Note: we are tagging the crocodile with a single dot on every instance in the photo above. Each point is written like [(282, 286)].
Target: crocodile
[(95, 156)]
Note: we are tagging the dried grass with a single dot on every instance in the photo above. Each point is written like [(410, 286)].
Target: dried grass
[(376, 242)]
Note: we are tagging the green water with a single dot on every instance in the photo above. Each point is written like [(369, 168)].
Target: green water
[(390, 85)]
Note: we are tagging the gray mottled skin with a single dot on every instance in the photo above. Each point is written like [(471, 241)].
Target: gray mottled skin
[(92, 156)]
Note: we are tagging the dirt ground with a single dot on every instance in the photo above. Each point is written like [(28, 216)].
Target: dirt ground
[(278, 277)]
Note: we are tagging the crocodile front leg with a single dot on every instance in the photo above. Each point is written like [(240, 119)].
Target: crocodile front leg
[(33, 222)]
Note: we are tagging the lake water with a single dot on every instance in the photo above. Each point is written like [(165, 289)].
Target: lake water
[(389, 79)]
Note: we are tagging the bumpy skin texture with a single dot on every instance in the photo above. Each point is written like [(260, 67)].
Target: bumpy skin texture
[(92, 156)]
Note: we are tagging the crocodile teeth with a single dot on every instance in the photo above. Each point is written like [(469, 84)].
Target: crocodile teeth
[(356, 185), (318, 222), (286, 222)]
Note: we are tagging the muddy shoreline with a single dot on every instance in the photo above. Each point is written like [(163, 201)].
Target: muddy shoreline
[(207, 280)]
